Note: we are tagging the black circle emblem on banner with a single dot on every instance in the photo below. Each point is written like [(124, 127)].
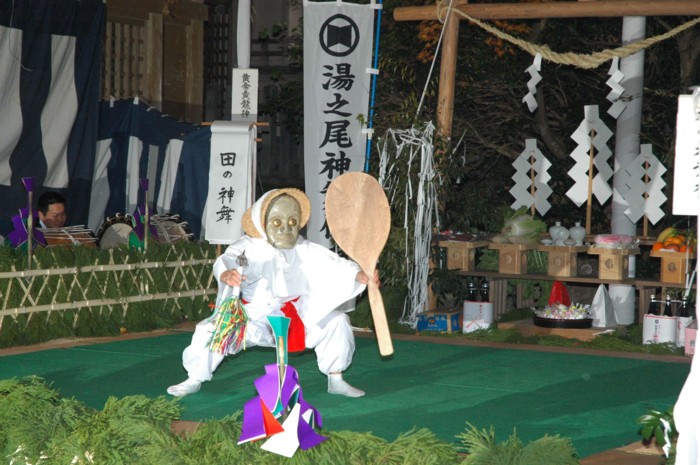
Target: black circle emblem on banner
[(339, 36)]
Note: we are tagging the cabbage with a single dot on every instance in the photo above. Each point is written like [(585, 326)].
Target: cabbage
[(523, 229)]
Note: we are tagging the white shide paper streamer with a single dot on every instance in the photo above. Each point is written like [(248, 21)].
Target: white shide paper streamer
[(578, 193), (616, 76), (535, 78), (645, 195), (531, 159)]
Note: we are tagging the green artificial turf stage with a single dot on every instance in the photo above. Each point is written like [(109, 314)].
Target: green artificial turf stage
[(594, 400)]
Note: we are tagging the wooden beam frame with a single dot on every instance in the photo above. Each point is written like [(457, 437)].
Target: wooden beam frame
[(579, 9)]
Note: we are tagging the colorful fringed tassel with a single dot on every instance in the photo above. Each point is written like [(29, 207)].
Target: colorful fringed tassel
[(229, 327)]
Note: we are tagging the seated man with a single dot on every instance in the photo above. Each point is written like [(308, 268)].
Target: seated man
[(51, 208), (286, 275)]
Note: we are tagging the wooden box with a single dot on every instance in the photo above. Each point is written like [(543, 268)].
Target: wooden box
[(512, 258), (561, 260), (613, 263), (674, 265), (461, 255)]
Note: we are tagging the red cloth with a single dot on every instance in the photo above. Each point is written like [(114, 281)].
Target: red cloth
[(559, 295), (296, 338)]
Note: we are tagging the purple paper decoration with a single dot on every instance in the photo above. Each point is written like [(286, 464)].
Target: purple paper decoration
[(138, 223), (254, 426), (19, 235), (28, 184)]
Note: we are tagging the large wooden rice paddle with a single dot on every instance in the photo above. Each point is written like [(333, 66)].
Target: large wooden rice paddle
[(358, 216)]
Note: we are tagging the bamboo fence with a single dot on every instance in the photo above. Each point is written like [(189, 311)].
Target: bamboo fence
[(74, 291)]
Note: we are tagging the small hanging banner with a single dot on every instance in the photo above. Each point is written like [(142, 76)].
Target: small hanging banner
[(244, 95)]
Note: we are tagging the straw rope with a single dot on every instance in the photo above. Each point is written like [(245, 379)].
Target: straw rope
[(579, 60)]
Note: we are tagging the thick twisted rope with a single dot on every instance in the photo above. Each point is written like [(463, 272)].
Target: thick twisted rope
[(578, 60)]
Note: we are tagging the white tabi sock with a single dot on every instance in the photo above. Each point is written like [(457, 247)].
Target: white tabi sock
[(336, 385), (188, 386)]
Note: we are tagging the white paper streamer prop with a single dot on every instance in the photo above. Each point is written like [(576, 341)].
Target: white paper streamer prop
[(408, 155), (535, 78), (618, 105), (645, 195), (591, 134), (531, 179)]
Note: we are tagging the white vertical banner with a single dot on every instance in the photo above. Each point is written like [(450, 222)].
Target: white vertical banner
[(244, 94), (337, 63), (686, 177), (231, 180)]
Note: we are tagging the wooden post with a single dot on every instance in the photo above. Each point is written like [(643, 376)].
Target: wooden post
[(591, 156), (533, 192), (194, 97), (153, 79), (645, 222), (448, 65)]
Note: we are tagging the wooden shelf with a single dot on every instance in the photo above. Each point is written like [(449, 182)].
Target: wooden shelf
[(613, 269), (644, 286)]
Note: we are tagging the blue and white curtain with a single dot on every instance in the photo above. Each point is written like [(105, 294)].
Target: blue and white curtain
[(53, 127), (50, 65), (135, 141)]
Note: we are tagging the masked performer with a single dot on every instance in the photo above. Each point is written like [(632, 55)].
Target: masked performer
[(285, 275)]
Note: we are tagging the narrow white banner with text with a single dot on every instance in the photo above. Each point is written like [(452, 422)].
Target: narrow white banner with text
[(337, 61)]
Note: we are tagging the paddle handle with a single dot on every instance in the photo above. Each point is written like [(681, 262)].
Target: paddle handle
[(381, 327)]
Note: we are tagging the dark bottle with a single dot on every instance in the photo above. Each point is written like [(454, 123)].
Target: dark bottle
[(471, 292), (484, 291), (654, 306), (683, 310), (667, 307)]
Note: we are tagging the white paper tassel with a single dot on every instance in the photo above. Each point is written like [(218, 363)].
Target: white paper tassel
[(398, 153)]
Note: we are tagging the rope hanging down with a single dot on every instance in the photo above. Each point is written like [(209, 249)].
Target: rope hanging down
[(579, 60)]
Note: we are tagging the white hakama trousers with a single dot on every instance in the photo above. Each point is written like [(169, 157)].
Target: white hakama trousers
[(332, 340)]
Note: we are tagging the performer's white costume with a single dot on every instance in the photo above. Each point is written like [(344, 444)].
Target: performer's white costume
[(686, 416), (320, 280)]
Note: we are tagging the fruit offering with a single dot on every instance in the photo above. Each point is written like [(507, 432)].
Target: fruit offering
[(674, 240)]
